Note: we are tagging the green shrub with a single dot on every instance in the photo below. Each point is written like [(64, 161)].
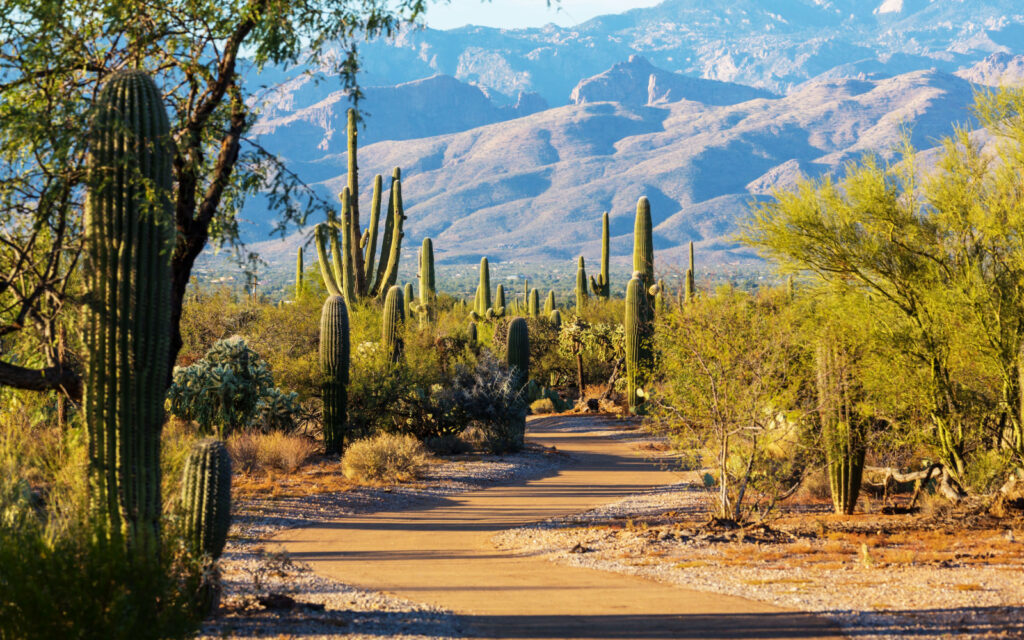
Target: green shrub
[(487, 398), (544, 405), (385, 458)]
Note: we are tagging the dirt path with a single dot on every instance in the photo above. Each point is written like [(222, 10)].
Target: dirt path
[(442, 555)]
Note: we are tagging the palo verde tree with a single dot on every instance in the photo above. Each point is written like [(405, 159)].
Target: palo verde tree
[(54, 58), (941, 251)]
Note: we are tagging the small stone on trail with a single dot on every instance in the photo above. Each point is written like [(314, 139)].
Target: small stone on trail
[(579, 548)]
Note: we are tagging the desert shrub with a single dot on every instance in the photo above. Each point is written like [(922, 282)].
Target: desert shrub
[(230, 388), (486, 397), (208, 316), (252, 451), (385, 458), (544, 405)]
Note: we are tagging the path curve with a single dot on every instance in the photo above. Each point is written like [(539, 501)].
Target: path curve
[(442, 555)]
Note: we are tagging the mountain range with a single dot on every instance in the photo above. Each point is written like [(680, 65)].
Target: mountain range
[(513, 142)]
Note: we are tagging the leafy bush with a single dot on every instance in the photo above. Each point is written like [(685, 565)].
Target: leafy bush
[(385, 458), (230, 388), (544, 405)]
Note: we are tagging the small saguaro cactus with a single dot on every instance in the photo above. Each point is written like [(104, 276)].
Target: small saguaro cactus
[(298, 275), (206, 496), (517, 350), (600, 284), (690, 288), (128, 241), (472, 335), (643, 250), (555, 318), (407, 300), (637, 333), (392, 324), (549, 302), (533, 307), (425, 306), (659, 297), (499, 299), (581, 285), (334, 361)]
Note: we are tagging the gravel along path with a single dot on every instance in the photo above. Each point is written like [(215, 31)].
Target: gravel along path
[(269, 594), (920, 583)]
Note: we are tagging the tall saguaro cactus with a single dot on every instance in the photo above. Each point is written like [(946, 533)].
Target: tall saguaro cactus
[(643, 250), (690, 289), (549, 302), (425, 307), (392, 323), (129, 237), (483, 292), (299, 268), (334, 361), (581, 286), (357, 265), (600, 285), (533, 306)]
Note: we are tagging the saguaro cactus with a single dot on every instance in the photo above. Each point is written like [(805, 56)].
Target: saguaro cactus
[(517, 350), (581, 286), (424, 307), (355, 265), (643, 250), (555, 318), (690, 289), (533, 306), (391, 326), (206, 496), (600, 285), (499, 299), (637, 331), (483, 292), (299, 267), (472, 335), (842, 427), (408, 300), (129, 237), (549, 302), (334, 361)]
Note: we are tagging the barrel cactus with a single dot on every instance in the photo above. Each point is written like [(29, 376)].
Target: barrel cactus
[(600, 284), (334, 361), (392, 324), (206, 496), (518, 350), (129, 238)]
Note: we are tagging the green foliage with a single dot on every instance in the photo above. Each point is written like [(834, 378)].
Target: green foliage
[(230, 388), (128, 241), (206, 497)]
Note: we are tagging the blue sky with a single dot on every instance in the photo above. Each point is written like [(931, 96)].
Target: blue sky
[(514, 14)]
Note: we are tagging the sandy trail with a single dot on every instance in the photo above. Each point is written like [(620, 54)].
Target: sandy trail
[(441, 554)]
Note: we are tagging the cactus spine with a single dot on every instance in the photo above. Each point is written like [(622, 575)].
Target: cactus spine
[(533, 306), (206, 496), (643, 252), (129, 237), (334, 360), (517, 351), (842, 426), (637, 330), (581, 286), (299, 267), (600, 284), (393, 321), (549, 302)]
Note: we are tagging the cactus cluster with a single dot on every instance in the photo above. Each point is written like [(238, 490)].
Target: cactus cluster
[(353, 269), (129, 238), (482, 307), (600, 284), (841, 425), (206, 496), (334, 362)]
